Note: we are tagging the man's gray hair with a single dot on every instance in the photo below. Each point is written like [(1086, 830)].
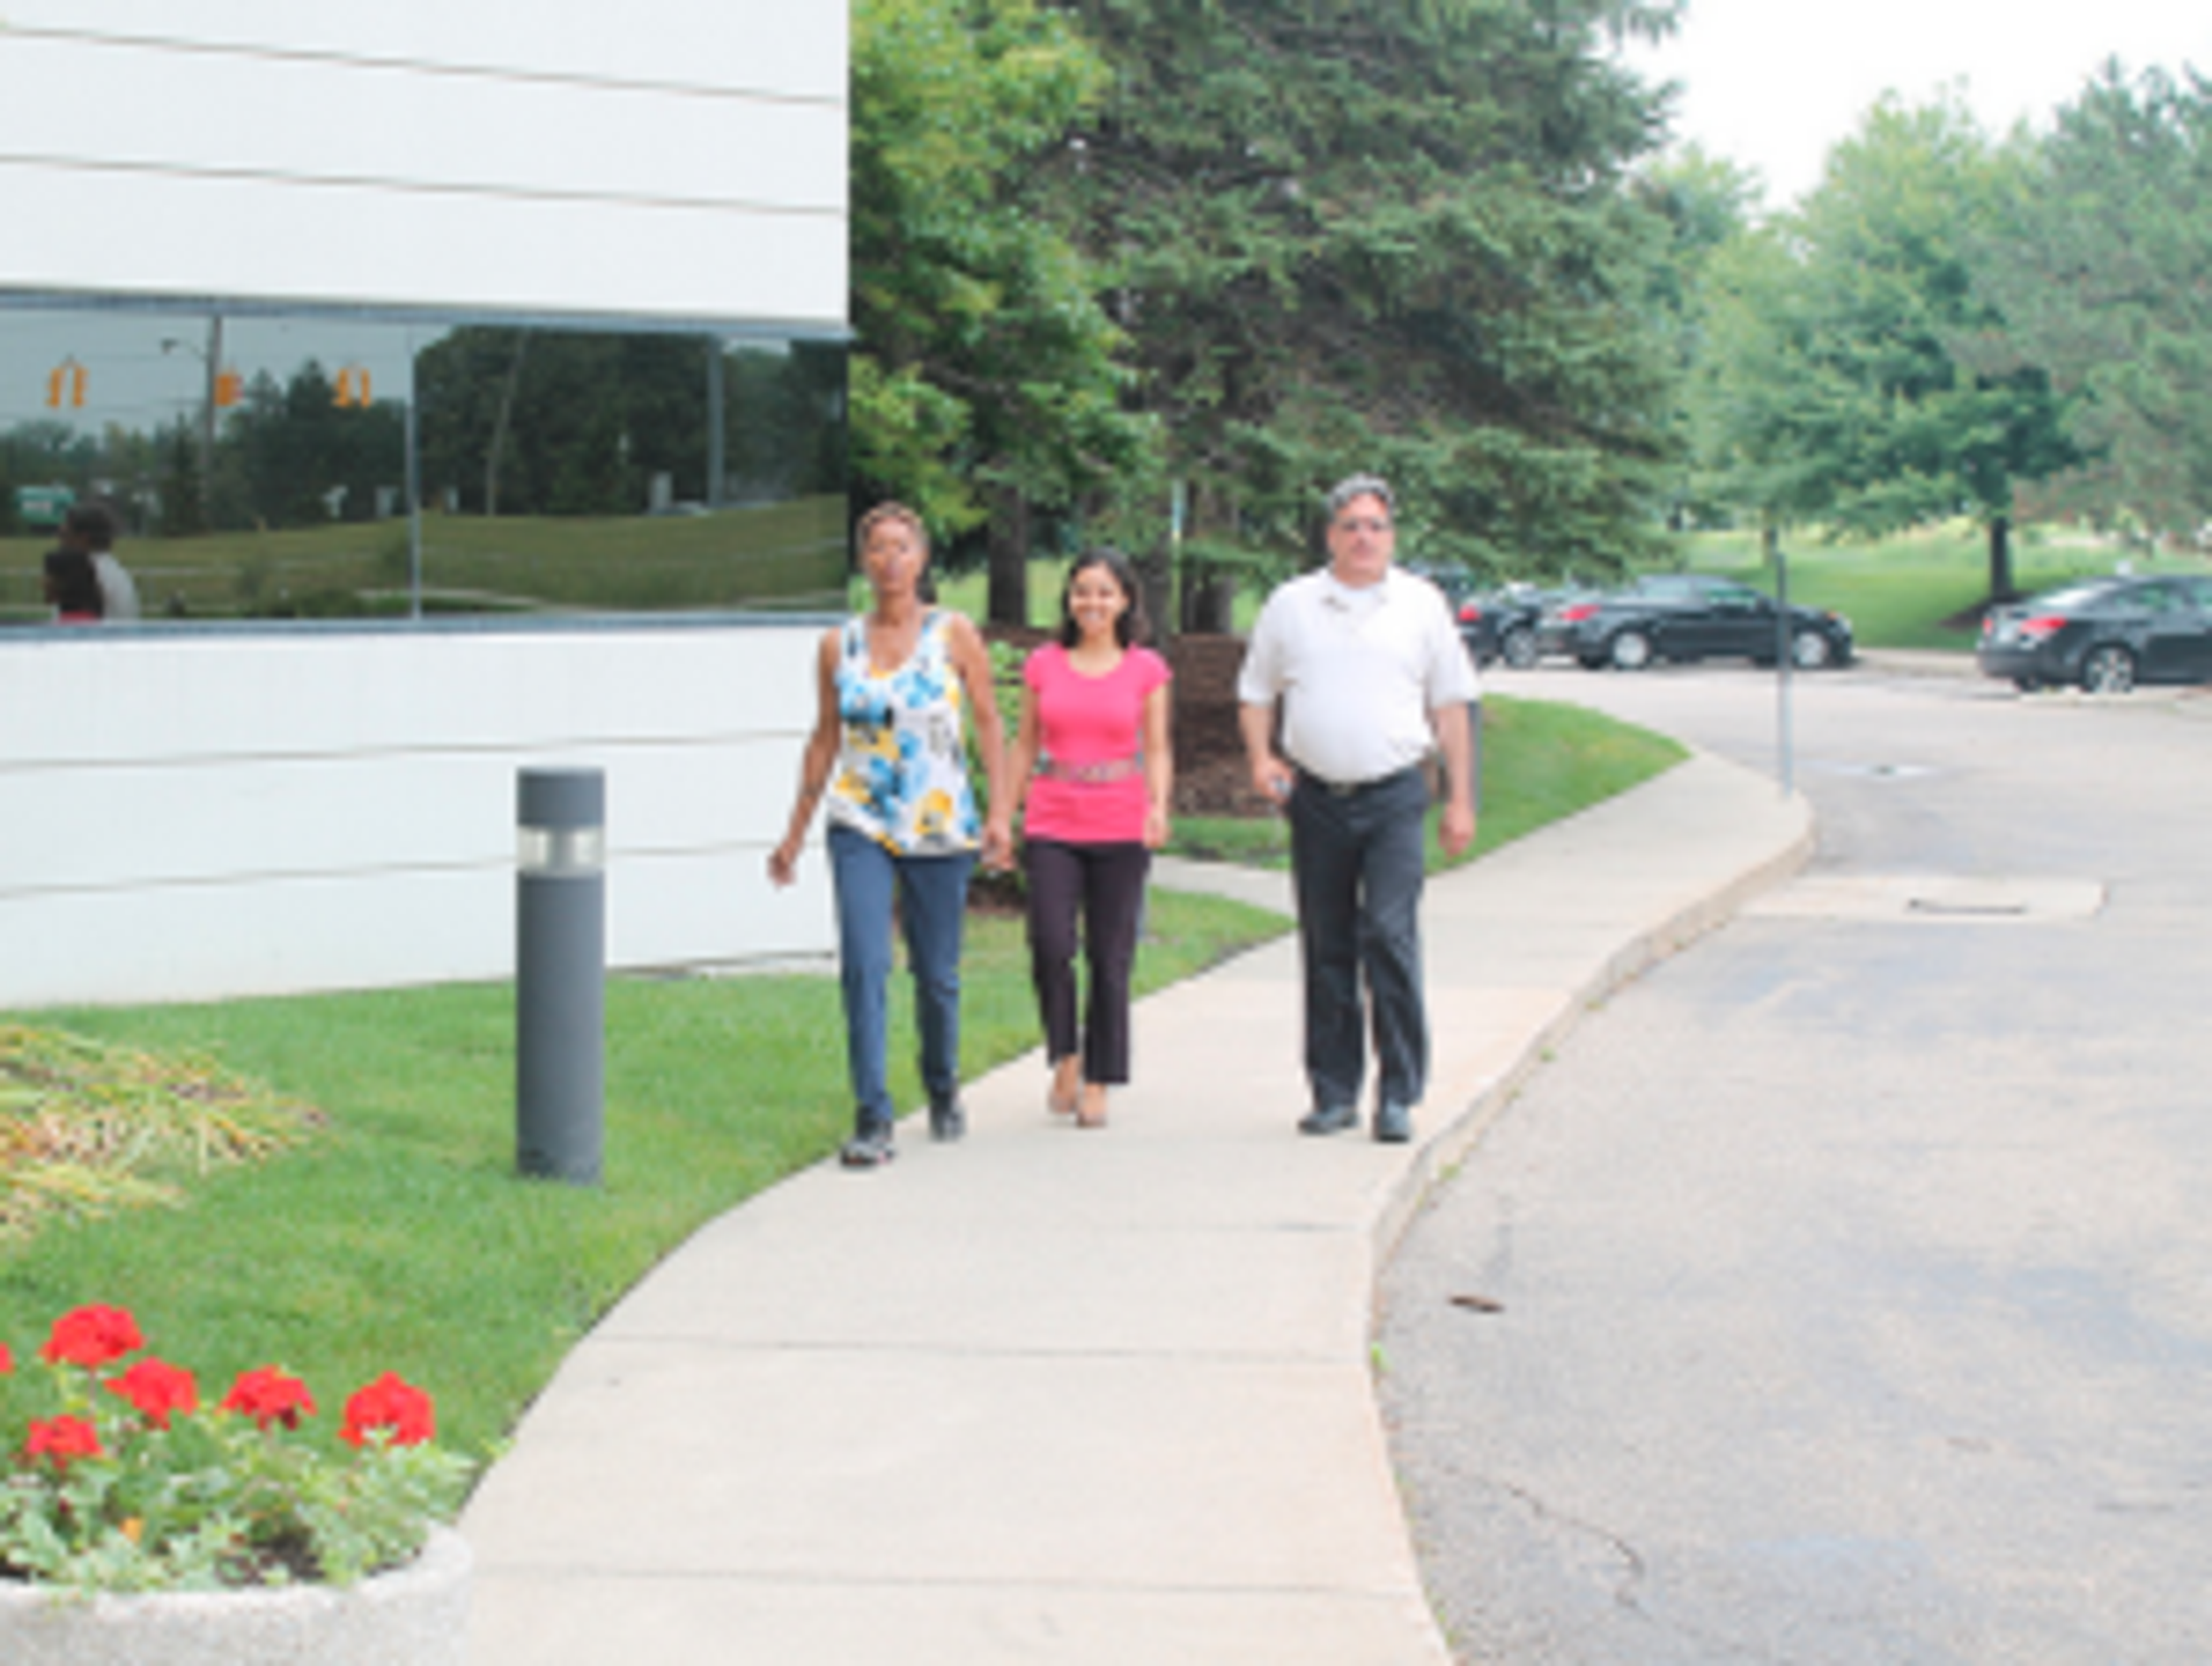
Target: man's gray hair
[(1361, 486)]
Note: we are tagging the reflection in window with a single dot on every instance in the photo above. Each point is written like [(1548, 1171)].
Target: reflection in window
[(333, 467)]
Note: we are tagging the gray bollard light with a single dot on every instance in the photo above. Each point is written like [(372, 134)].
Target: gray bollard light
[(560, 973)]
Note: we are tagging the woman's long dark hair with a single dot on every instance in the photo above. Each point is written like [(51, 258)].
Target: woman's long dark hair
[(1131, 626)]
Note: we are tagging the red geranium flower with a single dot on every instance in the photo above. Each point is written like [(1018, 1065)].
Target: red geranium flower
[(390, 1403), (92, 1336), (62, 1438), (7, 1360), (267, 1395), (157, 1388)]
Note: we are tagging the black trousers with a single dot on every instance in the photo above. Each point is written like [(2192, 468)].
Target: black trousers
[(1104, 886), (1356, 862)]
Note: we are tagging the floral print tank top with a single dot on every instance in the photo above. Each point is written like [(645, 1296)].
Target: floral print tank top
[(902, 770)]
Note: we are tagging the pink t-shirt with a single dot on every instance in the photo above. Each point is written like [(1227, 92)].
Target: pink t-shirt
[(1092, 728)]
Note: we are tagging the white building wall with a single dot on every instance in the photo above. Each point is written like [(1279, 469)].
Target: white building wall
[(187, 815), (675, 158)]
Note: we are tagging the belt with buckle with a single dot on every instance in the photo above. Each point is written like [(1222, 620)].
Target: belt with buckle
[(1352, 789)]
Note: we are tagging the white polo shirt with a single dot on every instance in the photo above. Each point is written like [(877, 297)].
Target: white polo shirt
[(1358, 670)]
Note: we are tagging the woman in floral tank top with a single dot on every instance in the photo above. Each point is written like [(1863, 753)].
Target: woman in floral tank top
[(895, 687)]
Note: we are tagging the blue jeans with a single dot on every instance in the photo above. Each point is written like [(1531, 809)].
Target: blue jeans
[(933, 903), (1356, 862)]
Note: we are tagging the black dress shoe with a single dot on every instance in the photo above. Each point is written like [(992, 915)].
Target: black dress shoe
[(1329, 1119), (1394, 1123)]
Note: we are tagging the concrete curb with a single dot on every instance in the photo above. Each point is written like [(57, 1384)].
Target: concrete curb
[(1084, 1398), (1435, 1158)]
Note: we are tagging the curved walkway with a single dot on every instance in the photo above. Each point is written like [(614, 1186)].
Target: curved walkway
[(1049, 1396)]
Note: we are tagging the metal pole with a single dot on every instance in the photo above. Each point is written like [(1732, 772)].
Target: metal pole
[(1785, 662), (414, 498), (214, 379), (718, 440), (560, 981)]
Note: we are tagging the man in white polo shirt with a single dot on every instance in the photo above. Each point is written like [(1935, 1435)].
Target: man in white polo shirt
[(1370, 676)]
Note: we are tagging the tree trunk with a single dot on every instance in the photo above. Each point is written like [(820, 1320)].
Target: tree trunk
[(1008, 600), (1209, 603), (1208, 593), (1156, 581), (499, 425), (2001, 586)]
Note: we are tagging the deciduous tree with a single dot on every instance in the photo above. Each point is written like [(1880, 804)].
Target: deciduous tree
[(1850, 372), (2099, 260), (985, 379)]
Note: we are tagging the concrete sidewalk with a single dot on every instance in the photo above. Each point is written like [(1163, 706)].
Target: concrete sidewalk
[(1068, 1397)]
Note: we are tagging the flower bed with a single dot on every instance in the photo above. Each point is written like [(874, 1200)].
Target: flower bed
[(121, 1483)]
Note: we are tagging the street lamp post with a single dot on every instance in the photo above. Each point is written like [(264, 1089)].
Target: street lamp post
[(211, 362)]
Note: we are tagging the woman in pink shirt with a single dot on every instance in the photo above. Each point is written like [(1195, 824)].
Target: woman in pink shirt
[(1091, 754)]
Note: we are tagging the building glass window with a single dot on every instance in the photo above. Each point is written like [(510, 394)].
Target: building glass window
[(289, 465)]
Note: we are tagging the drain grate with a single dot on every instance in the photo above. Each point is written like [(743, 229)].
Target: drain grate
[(1935, 899)]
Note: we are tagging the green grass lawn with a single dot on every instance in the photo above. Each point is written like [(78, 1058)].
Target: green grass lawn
[(1539, 761), (777, 555), (1905, 591), (1902, 591), (398, 1238)]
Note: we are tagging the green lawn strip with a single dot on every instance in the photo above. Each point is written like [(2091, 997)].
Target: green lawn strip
[(1540, 760), (1904, 591), (750, 556), (398, 1238)]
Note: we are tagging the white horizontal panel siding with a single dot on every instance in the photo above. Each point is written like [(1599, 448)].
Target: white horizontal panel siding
[(765, 45), (305, 120), (381, 811), (194, 696), (193, 818), (307, 936), (320, 175), (354, 246)]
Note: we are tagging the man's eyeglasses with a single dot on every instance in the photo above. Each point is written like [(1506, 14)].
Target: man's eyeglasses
[(1363, 523)]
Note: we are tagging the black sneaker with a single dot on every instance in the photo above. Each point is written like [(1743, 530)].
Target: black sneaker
[(871, 1147), (1393, 1121), (948, 1121)]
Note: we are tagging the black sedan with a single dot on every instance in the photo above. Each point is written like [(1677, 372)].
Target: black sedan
[(1486, 618), (1693, 615), (2105, 634), (1501, 624)]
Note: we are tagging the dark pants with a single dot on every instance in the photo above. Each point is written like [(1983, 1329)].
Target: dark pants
[(1357, 864), (1105, 885)]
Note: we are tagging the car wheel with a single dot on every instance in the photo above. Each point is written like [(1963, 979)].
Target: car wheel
[(1519, 648), (2110, 670), (1630, 651), (1809, 651)]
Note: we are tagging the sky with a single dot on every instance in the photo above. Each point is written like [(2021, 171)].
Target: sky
[(1772, 84)]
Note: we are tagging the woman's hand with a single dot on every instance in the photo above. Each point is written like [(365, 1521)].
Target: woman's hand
[(998, 843), (1156, 828), (783, 863)]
